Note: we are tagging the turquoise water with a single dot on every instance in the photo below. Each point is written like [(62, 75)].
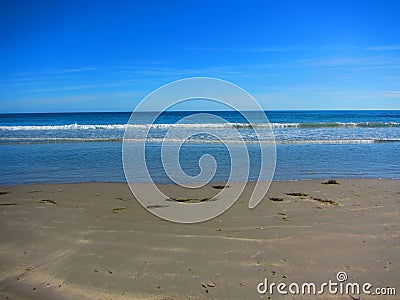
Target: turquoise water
[(80, 147)]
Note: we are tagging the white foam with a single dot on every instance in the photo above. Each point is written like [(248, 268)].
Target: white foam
[(194, 141), (198, 125)]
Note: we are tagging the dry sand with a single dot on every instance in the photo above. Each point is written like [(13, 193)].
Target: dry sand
[(95, 241)]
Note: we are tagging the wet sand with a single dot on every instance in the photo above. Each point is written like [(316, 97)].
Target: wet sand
[(95, 241)]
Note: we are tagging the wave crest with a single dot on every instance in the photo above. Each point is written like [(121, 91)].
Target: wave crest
[(204, 125)]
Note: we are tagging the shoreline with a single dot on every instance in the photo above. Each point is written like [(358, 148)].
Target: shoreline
[(210, 183), (94, 240)]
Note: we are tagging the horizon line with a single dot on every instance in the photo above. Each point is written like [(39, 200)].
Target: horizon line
[(202, 110)]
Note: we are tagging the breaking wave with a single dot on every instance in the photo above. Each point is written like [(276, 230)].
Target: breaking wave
[(191, 141), (205, 125)]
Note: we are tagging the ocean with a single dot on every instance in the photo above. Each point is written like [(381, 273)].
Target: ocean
[(86, 147)]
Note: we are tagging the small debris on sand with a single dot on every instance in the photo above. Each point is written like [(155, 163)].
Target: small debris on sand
[(191, 200), (156, 206), (47, 201), (297, 194), (325, 201), (220, 187), (117, 209), (276, 199), (208, 283), (331, 181)]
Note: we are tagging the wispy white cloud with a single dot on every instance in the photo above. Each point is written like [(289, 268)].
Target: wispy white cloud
[(359, 62), (244, 49), (63, 71), (75, 87), (174, 71), (391, 94), (384, 48), (55, 87)]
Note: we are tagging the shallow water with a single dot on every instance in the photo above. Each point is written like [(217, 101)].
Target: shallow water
[(49, 148)]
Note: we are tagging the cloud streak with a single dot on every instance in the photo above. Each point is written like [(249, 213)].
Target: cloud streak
[(245, 49), (56, 72), (384, 48), (391, 94)]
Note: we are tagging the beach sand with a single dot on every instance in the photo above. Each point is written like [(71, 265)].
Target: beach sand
[(95, 241)]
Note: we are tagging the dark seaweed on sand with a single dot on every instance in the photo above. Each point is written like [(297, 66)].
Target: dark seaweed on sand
[(326, 201), (190, 200), (117, 209), (276, 199), (297, 194), (331, 181), (220, 187), (156, 206), (47, 201)]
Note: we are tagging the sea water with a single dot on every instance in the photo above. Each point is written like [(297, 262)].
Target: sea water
[(84, 147)]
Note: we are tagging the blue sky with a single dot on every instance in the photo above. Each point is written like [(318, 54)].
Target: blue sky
[(58, 56)]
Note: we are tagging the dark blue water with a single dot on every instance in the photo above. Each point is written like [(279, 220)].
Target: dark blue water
[(80, 147), (171, 117)]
